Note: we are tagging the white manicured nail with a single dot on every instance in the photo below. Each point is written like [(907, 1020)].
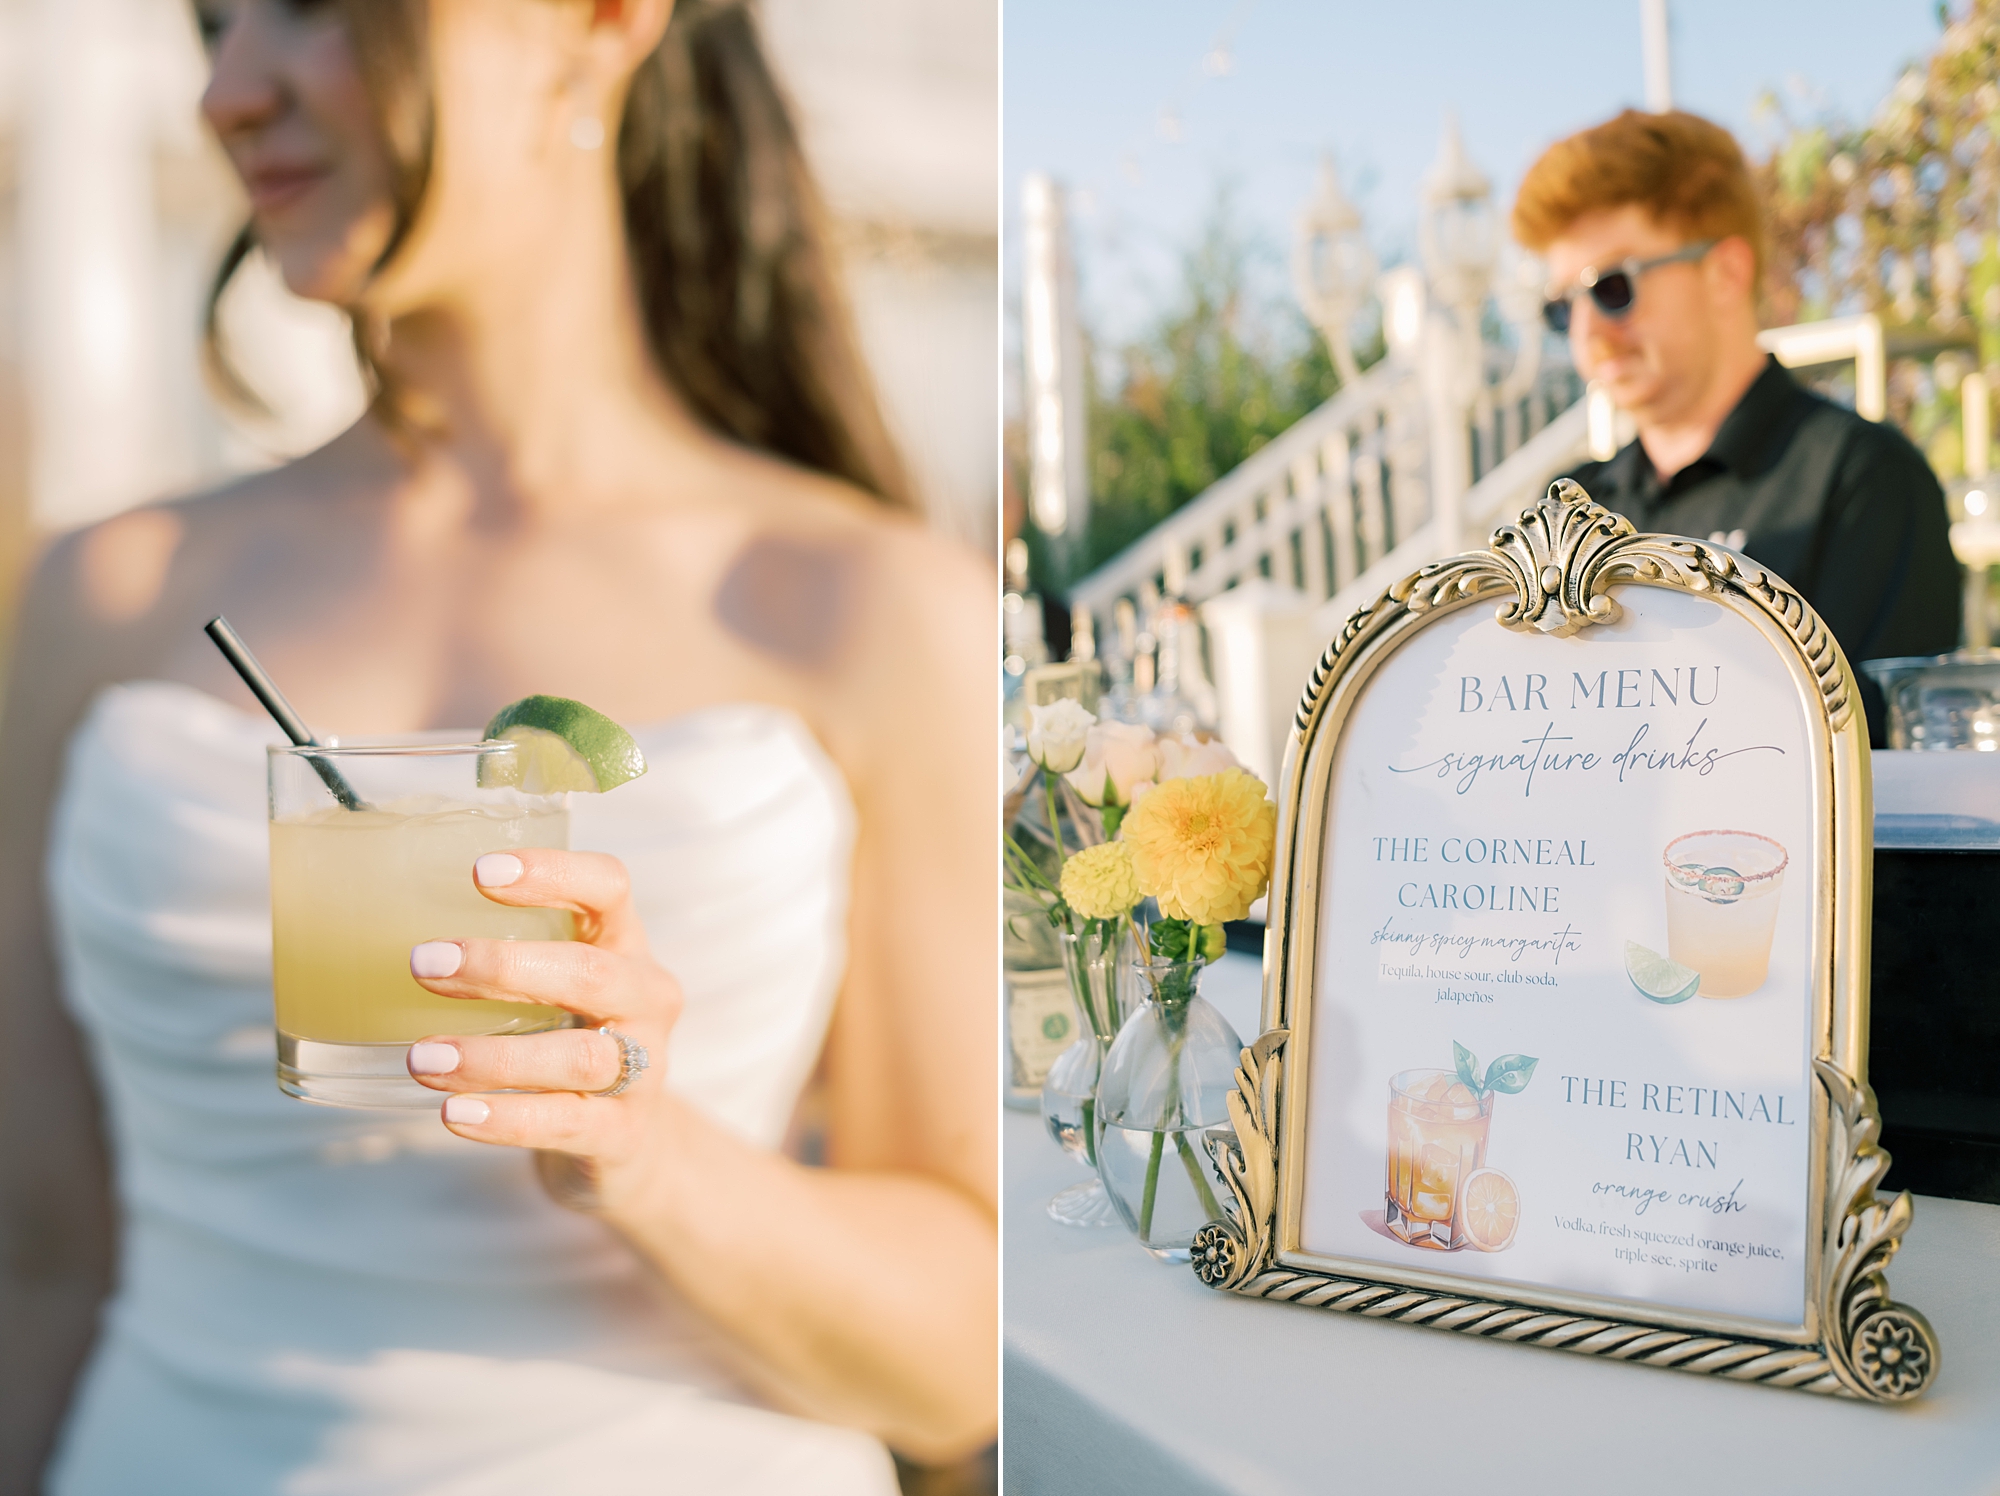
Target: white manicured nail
[(433, 1059), (497, 870), (436, 958), (466, 1110)]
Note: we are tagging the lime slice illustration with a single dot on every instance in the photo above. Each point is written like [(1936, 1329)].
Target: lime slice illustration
[(1490, 1209), (563, 746), (1662, 980)]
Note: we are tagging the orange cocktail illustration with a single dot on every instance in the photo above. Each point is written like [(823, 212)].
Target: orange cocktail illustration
[(1722, 907), (1437, 1142)]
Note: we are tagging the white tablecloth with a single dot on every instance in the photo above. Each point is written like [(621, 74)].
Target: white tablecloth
[(1124, 1375)]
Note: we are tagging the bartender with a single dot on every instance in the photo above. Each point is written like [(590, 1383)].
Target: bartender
[(1650, 227)]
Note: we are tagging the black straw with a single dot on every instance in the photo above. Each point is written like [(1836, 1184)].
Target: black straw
[(265, 690)]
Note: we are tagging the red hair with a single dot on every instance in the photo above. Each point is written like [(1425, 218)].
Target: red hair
[(1686, 171)]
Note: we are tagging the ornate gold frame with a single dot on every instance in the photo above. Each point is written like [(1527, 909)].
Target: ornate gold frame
[(1553, 570)]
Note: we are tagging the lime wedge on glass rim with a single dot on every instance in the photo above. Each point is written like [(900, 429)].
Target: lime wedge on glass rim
[(1661, 979), (560, 745)]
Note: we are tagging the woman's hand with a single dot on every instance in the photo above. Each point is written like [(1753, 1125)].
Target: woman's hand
[(863, 1295), (596, 1149)]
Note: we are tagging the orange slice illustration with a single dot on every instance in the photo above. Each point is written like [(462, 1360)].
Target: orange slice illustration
[(1491, 1209)]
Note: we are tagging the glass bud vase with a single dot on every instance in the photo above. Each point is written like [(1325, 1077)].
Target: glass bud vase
[(1162, 1091), (1098, 959)]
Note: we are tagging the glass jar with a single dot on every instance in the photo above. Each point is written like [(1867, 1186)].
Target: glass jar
[(1098, 960), (1162, 1093), (1941, 702)]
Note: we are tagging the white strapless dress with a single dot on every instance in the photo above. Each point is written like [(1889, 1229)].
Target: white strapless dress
[(320, 1302)]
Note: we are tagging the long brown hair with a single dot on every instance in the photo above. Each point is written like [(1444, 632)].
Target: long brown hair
[(723, 224)]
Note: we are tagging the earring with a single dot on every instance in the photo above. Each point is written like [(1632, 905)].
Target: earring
[(586, 130)]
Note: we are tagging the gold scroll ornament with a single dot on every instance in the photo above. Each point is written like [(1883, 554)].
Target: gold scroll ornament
[(1553, 568)]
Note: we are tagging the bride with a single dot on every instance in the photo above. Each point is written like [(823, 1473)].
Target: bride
[(621, 450)]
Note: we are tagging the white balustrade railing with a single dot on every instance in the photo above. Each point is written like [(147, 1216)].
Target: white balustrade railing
[(1265, 639), (1319, 505), (1561, 444), (1330, 511)]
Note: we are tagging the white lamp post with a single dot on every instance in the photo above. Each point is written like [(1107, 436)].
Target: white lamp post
[(1459, 241), (1457, 233), (1518, 290), (1333, 268), (1405, 310)]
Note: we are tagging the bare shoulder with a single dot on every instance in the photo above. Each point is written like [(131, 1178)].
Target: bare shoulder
[(833, 579), (87, 619), (102, 599), (937, 596), (911, 570), (102, 577)]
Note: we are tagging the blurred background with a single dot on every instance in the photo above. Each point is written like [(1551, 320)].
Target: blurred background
[(1269, 345), (115, 206)]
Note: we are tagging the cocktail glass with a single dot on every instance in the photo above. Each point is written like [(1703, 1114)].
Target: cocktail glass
[(353, 890), (1437, 1139), (1722, 907)]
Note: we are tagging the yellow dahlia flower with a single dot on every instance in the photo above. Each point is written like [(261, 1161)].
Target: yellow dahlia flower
[(1099, 883), (1202, 846)]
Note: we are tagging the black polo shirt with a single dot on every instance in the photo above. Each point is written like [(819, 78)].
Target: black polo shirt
[(1844, 509)]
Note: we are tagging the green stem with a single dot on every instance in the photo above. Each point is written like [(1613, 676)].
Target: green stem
[(1026, 869), (1195, 1173), (1090, 1130), (1086, 996), (1081, 815), (1152, 1186), (1055, 821), (1148, 967), (1176, 997)]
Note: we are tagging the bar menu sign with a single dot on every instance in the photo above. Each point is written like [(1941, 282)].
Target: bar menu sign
[(1566, 1002), (1564, 987)]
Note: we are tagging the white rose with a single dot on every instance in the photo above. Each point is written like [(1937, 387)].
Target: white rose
[(1116, 756), (1056, 734), (1187, 757)]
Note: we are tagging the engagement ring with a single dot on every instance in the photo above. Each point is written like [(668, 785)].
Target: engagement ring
[(631, 1060)]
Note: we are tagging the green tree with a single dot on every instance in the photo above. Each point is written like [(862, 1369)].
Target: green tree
[(1220, 373), (1898, 217)]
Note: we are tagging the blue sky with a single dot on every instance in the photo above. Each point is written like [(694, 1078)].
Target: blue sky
[(1087, 82)]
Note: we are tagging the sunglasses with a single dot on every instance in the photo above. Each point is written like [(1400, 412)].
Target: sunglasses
[(1614, 291)]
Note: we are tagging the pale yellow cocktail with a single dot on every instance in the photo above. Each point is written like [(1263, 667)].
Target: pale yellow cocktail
[(352, 891), (354, 888)]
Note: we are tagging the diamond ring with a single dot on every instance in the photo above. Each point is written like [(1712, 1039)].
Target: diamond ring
[(632, 1058)]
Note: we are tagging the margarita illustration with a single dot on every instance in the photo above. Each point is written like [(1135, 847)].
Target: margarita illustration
[(1440, 1193), (1722, 910)]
